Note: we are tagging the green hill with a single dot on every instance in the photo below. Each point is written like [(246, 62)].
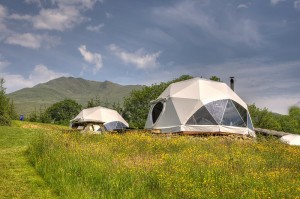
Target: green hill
[(44, 95)]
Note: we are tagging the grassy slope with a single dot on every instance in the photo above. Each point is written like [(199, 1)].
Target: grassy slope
[(43, 95), (145, 166), (18, 179)]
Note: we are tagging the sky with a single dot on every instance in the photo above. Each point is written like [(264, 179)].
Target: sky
[(146, 42)]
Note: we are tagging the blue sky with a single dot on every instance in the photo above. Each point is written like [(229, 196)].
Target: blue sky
[(145, 42)]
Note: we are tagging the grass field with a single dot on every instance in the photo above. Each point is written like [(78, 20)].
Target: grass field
[(18, 179), (143, 166)]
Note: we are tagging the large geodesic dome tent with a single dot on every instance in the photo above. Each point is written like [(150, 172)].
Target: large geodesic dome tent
[(199, 106)]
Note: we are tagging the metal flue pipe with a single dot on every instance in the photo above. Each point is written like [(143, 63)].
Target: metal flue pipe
[(232, 83)]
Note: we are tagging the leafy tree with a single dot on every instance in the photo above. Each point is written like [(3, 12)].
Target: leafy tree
[(137, 104), (62, 112), (97, 101), (33, 117), (262, 118), (288, 124), (294, 113), (215, 78), (12, 111), (93, 102), (117, 107), (7, 109)]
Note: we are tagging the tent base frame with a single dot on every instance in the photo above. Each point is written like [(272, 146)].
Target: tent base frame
[(197, 133)]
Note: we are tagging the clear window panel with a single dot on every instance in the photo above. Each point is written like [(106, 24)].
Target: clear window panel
[(201, 117), (242, 111), (216, 109), (249, 123), (232, 117)]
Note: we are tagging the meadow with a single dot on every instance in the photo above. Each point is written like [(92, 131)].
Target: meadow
[(18, 178), (141, 165)]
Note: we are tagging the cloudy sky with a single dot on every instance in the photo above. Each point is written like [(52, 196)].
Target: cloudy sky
[(144, 42)]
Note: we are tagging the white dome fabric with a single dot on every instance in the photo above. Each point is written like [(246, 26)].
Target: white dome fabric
[(291, 139), (199, 105), (99, 115)]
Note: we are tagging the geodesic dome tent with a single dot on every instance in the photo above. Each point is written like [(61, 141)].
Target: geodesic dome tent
[(100, 116), (199, 106)]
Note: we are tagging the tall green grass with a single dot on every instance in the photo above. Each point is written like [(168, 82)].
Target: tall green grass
[(145, 166), (18, 179)]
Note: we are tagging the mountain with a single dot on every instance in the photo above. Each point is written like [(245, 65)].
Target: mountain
[(44, 95)]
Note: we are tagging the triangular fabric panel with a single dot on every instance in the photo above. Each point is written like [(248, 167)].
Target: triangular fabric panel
[(185, 108), (179, 86), (191, 91), (169, 116)]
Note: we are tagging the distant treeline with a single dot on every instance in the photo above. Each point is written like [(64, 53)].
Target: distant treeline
[(263, 118)]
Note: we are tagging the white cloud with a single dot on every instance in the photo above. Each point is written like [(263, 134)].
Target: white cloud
[(57, 19), (245, 31), (92, 58), (196, 15), (108, 15), (278, 104), (159, 36), (297, 5), (3, 64), (95, 28), (65, 14), (4, 31), (242, 6), (20, 17), (40, 74), (38, 2), (3, 28), (139, 58), (3, 12), (275, 2), (82, 4), (33, 41)]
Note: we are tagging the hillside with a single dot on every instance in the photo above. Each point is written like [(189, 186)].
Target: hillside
[(43, 95)]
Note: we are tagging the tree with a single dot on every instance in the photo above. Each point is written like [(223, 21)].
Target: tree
[(62, 112), (215, 78), (288, 124), (7, 109), (33, 117), (294, 113), (117, 107), (97, 101), (137, 104), (262, 118), (93, 102), (12, 111)]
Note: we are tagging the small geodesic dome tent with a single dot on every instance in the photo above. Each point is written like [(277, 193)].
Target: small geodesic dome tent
[(97, 117), (199, 106)]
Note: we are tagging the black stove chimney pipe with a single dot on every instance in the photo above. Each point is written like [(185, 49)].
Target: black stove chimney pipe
[(232, 83)]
